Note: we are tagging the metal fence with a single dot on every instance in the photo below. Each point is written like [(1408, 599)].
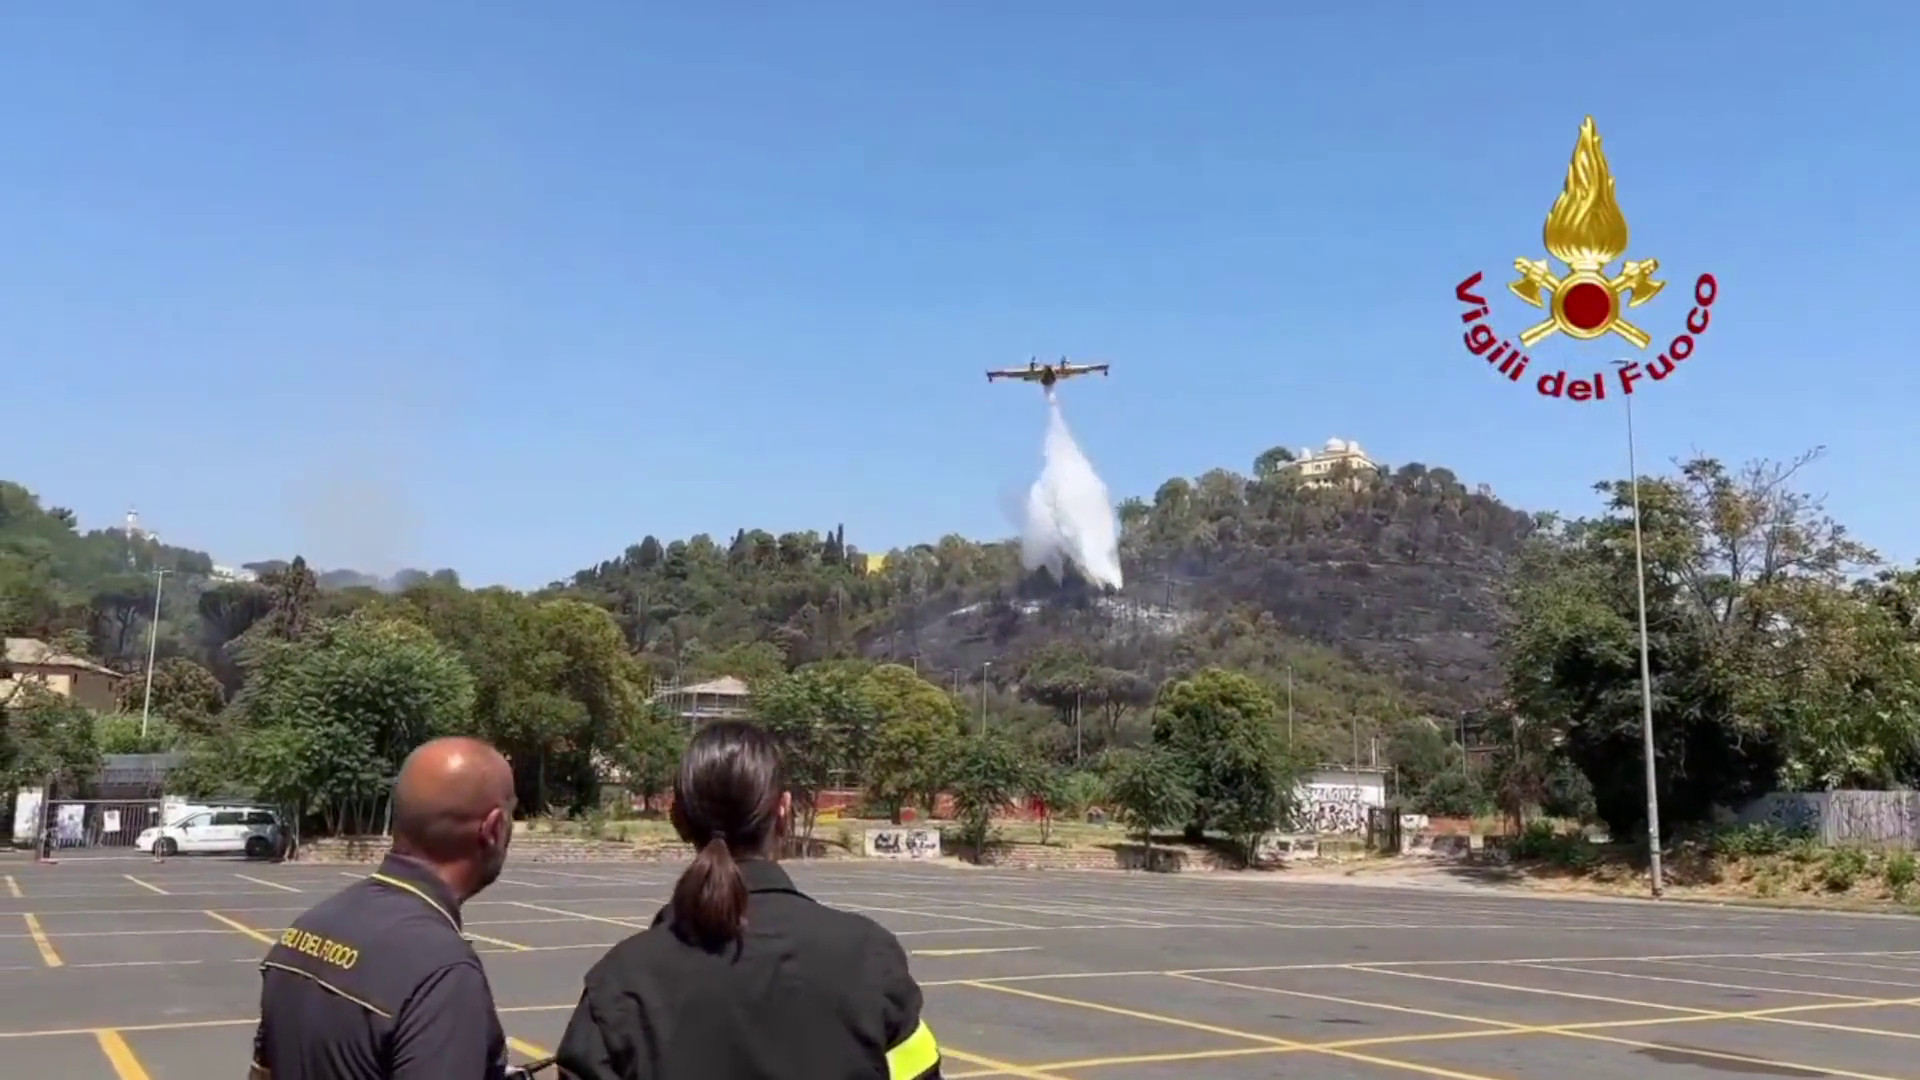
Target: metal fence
[(106, 824)]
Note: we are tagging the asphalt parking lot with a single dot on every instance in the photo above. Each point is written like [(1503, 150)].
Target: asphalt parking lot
[(121, 968)]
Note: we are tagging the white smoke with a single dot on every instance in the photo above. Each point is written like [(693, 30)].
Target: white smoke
[(1069, 513)]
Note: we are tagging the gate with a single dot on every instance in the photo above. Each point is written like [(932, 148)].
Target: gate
[(105, 825), (1383, 830)]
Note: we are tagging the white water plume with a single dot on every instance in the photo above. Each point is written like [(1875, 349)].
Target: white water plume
[(1069, 513)]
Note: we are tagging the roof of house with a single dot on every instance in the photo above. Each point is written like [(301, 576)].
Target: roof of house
[(724, 686), (37, 653), (138, 768)]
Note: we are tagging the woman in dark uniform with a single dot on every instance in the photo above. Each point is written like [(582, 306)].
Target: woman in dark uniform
[(742, 976)]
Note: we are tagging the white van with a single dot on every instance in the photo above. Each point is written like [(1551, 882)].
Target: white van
[(214, 830)]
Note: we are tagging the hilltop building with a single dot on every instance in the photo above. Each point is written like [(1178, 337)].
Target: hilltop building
[(1317, 469), (725, 698)]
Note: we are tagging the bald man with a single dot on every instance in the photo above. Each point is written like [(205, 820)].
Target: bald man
[(379, 982)]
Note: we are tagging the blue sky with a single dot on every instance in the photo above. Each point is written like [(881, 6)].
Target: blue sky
[(476, 286)]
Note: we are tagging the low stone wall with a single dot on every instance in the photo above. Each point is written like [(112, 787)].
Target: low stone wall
[(1024, 856), (543, 849)]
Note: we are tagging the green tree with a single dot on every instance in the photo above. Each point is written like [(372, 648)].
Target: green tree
[(1152, 790), (1220, 725), (326, 720), (47, 738), (991, 772), (1754, 646), (183, 692), (822, 718), (913, 747), (647, 753)]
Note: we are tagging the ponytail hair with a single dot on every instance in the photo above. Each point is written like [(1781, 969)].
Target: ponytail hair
[(726, 802), (710, 899)]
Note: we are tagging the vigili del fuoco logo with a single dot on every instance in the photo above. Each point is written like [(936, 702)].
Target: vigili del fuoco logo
[(1585, 231)]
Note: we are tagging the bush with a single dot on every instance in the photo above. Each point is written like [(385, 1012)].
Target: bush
[(1899, 874), (1759, 838), (1152, 791), (991, 771), (1452, 794), (1541, 842), (1844, 866)]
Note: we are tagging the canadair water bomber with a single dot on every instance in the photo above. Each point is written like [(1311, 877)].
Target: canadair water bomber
[(1047, 374)]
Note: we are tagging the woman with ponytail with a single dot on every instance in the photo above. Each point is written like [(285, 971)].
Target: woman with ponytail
[(742, 976)]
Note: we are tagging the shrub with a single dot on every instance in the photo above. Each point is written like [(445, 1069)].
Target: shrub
[(1758, 838), (1844, 866), (1541, 842), (1899, 874)]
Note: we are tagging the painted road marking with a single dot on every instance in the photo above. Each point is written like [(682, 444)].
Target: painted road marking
[(268, 884), (120, 1056), (575, 914), (13, 888), (974, 952), (150, 887), (40, 941), (513, 945), (240, 926), (1574, 1031), (530, 1051), (1249, 1036)]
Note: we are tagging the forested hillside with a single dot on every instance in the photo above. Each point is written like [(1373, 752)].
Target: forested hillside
[(1377, 596), (1266, 625)]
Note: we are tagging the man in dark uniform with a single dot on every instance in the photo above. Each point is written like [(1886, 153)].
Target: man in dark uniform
[(378, 982)]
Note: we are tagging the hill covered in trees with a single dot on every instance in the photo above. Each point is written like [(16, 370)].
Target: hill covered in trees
[(1267, 624), (1377, 595)]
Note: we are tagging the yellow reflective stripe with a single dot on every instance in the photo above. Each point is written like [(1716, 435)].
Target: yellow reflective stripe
[(421, 893), (915, 1057)]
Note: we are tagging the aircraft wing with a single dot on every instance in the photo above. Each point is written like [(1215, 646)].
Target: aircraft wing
[(1023, 374), (1068, 371)]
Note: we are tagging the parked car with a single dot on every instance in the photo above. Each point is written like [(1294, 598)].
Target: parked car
[(252, 831)]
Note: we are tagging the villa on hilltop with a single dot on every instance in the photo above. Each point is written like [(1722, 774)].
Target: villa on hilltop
[(1319, 470)]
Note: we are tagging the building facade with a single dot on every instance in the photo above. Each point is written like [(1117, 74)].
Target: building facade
[(30, 661), (1324, 468)]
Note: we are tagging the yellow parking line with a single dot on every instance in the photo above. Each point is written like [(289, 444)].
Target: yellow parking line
[(13, 888), (125, 1065), (150, 887), (268, 884), (240, 926), (40, 941), (530, 1051)]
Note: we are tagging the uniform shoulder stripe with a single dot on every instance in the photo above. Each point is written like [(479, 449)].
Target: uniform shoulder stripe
[(916, 1056)]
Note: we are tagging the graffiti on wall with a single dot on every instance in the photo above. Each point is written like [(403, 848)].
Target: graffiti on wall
[(1334, 808), (903, 843), (1881, 818)]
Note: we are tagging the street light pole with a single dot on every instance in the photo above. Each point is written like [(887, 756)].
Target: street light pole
[(1655, 877), (983, 696), (153, 646), (1289, 706)]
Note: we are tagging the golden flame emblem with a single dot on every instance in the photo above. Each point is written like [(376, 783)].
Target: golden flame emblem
[(1586, 230)]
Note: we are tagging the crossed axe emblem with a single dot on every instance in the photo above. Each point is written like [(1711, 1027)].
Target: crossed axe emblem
[(1635, 278)]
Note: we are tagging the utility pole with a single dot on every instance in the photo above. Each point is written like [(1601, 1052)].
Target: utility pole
[(153, 646), (1289, 706), (1076, 727), (983, 695), (1654, 875)]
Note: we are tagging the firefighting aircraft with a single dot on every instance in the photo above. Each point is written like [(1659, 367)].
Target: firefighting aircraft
[(1047, 374)]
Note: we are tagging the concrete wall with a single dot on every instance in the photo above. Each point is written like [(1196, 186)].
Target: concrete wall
[(1872, 818), (1334, 799)]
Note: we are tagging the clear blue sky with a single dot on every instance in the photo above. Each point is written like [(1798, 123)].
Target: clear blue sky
[(505, 287)]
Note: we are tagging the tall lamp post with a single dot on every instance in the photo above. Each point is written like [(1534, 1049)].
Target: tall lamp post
[(1656, 879), (983, 696), (153, 645)]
